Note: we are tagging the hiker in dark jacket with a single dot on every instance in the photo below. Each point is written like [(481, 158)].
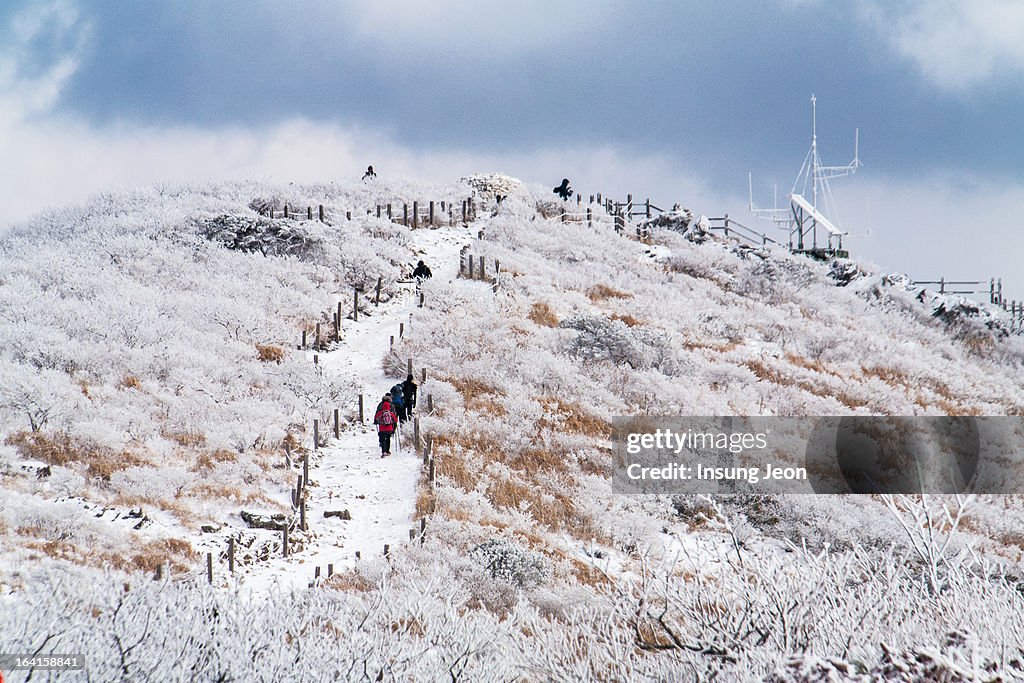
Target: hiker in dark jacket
[(422, 272), (409, 394), (398, 401), (564, 190), (386, 421), (370, 174)]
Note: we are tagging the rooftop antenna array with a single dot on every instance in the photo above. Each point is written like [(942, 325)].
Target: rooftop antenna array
[(805, 217)]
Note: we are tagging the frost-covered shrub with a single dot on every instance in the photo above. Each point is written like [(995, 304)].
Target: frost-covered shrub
[(601, 339), (509, 562), (267, 236)]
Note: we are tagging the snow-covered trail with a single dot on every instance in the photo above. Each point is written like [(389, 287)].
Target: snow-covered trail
[(349, 474)]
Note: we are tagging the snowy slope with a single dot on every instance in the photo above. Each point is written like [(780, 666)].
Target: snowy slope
[(530, 568)]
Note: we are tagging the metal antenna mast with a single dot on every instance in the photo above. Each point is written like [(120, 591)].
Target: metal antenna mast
[(804, 217)]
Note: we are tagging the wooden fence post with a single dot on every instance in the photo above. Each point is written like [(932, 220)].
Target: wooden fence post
[(401, 330), (423, 529), (497, 267), (464, 211), (424, 378), (431, 213), (376, 296), (302, 513), (416, 435), (405, 214), (284, 540), (430, 404), (471, 267), (316, 433), (348, 215), (209, 568), (432, 471), (321, 213), (387, 550), (378, 211), (355, 303), (415, 214), (286, 211), (360, 409), (410, 366), (337, 326), (483, 269), (309, 213), (305, 467), (337, 428), (231, 554), (317, 336), (303, 340)]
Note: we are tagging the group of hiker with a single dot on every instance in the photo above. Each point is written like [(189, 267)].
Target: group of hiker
[(395, 408)]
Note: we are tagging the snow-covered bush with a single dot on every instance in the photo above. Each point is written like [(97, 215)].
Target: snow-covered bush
[(509, 562)]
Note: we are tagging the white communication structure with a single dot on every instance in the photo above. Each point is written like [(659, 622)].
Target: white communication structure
[(804, 216)]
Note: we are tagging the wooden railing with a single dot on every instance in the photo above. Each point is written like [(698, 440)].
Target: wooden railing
[(418, 214)]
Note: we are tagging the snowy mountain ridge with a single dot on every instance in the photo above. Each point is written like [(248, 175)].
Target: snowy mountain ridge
[(148, 365)]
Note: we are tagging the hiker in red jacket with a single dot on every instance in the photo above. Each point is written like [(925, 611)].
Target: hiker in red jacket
[(385, 419)]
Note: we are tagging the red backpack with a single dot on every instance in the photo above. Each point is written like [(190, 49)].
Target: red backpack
[(385, 417)]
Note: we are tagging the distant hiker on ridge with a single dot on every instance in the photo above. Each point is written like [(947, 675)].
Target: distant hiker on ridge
[(422, 272), (564, 190), (385, 419), (369, 175)]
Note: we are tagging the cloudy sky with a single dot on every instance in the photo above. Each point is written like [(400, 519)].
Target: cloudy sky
[(676, 100)]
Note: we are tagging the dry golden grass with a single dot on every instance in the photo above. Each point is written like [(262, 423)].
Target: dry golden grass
[(454, 467), (604, 292), (473, 389), (61, 450), (350, 581), (129, 382), (628, 320), (891, 376), (188, 438), (812, 364), (542, 314), (558, 513), (202, 463), (763, 372), (598, 466), (146, 557), (716, 347), (572, 418), (426, 501), (155, 553), (268, 353), (538, 461)]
